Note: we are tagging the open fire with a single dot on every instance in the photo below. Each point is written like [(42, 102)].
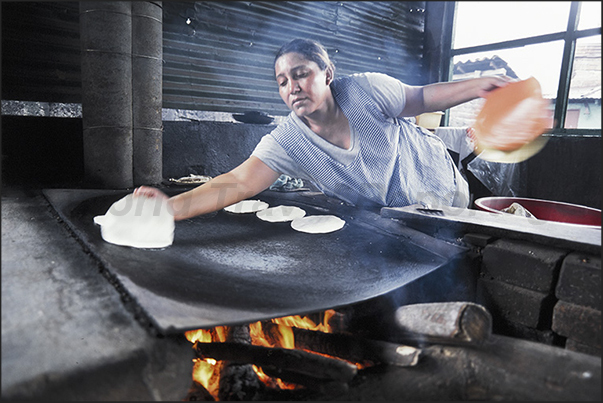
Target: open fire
[(440, 351), (317, 353), (275, 335)]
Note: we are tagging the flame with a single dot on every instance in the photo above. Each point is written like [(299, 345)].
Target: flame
[(207, 371), (306, 322)]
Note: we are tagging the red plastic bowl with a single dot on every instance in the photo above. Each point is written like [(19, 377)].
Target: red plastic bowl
[(544, 209)]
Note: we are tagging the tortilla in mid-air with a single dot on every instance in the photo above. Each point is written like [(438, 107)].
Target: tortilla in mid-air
[(317, 224), (246, 206), (510, 125), (280, 213)]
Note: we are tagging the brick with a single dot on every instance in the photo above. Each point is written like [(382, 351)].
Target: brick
[(523, 264), (574, 345), (580, 280), (577, 322), (519, 331), (511, 303)]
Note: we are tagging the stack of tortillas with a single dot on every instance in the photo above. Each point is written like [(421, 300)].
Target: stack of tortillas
[(510, 125), (316, 224)]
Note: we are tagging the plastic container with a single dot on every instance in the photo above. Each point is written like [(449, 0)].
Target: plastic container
[(544, 209)]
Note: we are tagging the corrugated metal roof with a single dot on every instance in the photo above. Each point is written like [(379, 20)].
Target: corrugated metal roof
[(219, 55), (41, 51)]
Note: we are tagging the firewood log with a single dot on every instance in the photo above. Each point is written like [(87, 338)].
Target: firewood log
[(291, 360), (444, 322), (323, 386), (198, 393), (352, 348), (238, 381)]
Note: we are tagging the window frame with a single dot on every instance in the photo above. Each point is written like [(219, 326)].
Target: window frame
[(570, 36)]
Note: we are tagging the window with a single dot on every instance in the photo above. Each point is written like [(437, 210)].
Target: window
[(558, 43)]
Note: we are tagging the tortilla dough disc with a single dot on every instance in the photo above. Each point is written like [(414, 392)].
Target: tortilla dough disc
[(510, 125), (139, 222), (246, 206), (280, 214), (515, 156), (317, 224)]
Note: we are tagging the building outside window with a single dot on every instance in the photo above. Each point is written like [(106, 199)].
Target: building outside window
[(558, 43)]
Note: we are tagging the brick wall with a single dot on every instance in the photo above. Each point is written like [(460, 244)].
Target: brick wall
[(540, 293), (577, 313)]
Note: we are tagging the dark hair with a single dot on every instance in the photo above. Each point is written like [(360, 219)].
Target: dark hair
[(308, 48)]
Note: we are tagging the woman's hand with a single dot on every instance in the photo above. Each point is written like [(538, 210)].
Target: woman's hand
[(487, 84), (149, 192)]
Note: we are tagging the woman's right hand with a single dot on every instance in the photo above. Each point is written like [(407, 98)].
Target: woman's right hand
[(149, 192)]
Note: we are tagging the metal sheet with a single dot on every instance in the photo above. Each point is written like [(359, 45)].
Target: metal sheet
[(226, 269), (219, 55), (457, 222)]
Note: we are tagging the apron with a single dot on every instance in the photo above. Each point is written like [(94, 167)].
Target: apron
[(398, 163)]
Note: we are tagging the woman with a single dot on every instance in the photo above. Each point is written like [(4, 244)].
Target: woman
[(348, 137)]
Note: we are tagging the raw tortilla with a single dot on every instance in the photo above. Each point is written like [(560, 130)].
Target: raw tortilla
[(140, 222), (247, 206), (280, 214), (509, 127), (317, 224)]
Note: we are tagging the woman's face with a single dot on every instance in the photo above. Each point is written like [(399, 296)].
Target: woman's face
[(302, 85)]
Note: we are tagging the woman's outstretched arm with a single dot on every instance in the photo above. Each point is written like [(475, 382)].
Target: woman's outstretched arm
[(442, 96), (242, 182)]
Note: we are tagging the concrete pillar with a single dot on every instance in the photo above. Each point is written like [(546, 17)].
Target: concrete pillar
[(106, 40), (122, 53), (147, 56)]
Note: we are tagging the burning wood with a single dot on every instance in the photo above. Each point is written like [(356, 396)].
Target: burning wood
[(323, 386), (238, 381), (444, 322), (198, 393), (286, 353), (351, 348), (295, 361)]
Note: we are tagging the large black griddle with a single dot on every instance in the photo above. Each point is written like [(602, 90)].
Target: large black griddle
[(227, 269)]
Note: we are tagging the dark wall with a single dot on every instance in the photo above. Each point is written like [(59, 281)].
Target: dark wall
[(208, 148), (568, 169), (48, 152), (41, 151), (41, 51)]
